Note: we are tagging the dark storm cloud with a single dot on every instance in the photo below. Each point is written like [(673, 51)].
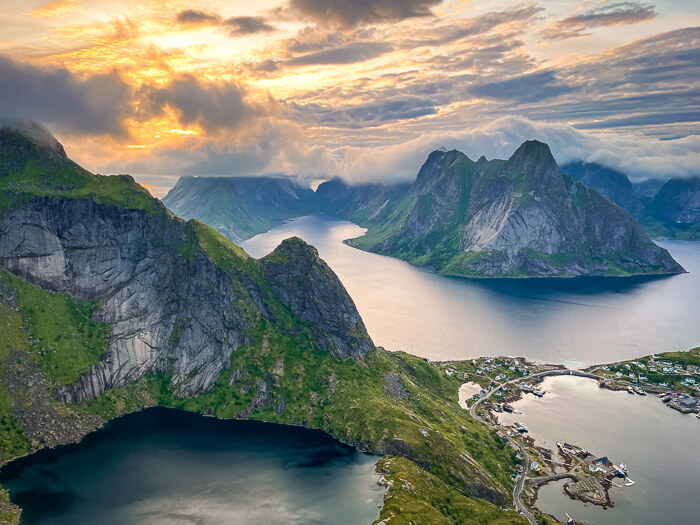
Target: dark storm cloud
[(237, 25), (211, 106), (92, 105), (532, 87), (615, 14), (345, 54), (351, 13)]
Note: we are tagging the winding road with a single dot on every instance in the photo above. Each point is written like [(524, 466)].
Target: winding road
[(520, 480)]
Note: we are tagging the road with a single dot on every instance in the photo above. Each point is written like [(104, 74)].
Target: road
[(520, 480)]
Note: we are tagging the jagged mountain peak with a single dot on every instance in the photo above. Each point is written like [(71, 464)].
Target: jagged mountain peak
[(534, 159), (313, 293)]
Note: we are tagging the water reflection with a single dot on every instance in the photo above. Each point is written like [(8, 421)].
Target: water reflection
[(574, 321), (165, 466)]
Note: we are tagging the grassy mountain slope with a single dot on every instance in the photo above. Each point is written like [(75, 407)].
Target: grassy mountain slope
[(275, 339)]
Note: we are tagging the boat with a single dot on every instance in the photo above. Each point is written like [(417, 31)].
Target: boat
[(630, 390), (538, 392), (639, 391), (508, 408), (667, 399), (697, 416), (520, 427), (602, 383)]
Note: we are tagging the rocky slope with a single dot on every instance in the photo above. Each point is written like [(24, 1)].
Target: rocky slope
[(678, 201), (514, 218), (665, 208), (238, 207), (109, 303), (179, 299), (613, 184)]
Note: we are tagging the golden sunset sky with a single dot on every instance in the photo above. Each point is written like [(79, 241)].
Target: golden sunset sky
[(360, 89)]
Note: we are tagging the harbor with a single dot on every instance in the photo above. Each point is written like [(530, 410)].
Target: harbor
[(657, 484)]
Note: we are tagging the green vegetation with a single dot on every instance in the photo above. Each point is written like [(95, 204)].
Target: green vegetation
[(671, 230), (668, 370), (43, 176), (416, 496), (65, 341)]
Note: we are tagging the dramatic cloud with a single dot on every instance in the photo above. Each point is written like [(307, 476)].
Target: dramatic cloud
[(237, 25), (351, 13), (615, 14), (94, 104), (345, 54), (636, 155), (532, 87), (212, 106)]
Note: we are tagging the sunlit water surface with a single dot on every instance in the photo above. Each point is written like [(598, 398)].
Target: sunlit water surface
[(578, 321), (657, 444)]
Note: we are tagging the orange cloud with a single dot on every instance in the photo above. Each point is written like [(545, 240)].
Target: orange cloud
[(52, 9)]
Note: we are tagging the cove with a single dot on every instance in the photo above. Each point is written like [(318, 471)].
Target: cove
[(166, 466)]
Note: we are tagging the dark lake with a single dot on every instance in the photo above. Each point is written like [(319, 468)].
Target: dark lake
[(163, 466)]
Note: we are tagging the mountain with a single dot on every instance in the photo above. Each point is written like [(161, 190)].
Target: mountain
[(675, 210), (360, 202), (514, 218), (615, 185), (648, 187), (110, 303), (238, 207)]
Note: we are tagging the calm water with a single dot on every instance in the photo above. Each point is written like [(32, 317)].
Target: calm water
[(573, 321), (658, 445), (165, 467)]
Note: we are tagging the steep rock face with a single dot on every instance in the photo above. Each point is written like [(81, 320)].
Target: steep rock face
[(615, 185), (678, 201), (519, 217), (179, 298), (442, 183), (309, 288), (167, 314)]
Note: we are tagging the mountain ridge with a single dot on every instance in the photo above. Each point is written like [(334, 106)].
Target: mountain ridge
[(110, 303), (513, 218)]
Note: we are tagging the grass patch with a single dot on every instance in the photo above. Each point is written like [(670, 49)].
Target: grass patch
[(64, 340)]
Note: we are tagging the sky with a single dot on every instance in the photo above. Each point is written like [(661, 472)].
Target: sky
[(361, 89)]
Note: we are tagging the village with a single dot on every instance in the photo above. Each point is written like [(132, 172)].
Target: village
[(675, 382)]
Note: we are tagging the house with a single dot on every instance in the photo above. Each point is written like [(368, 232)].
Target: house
[(693, 368), (643, 378), (688, 403), (603, 461)]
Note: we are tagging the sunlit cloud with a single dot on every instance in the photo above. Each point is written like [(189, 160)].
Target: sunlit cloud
[(52, 9), (359, 89)]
